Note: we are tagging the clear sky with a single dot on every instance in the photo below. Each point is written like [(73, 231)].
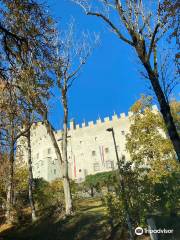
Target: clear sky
[(109, 82)]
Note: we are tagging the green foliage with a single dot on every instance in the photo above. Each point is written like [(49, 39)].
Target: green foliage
[(48, 194), (21, 186), (175, 109), (4, 166), (148, 191), (151, 178), (114, 208), (21, 179), (100, 180), (147, 140), (164, 177)]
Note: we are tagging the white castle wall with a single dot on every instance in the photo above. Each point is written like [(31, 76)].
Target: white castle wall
[(90, 148)]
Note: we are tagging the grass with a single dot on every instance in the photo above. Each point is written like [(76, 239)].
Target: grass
[(89, 222)]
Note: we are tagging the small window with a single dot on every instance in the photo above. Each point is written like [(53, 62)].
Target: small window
[(85, 172), (109, 165), (123, 132), (123, 157), (96, 167), (80, 142), (80, 170), (95, 138), (93, 153), (49, 151), (54, 171), (106, 150)]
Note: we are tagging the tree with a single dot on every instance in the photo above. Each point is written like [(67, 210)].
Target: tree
[(26, 34), (143, 30), (170, 10), (4, 165), (25, 29), (100, 180), (71, 56), (148, 191), (49, 195), (147, 140), (152, 152), (28, 121), (10, 128)]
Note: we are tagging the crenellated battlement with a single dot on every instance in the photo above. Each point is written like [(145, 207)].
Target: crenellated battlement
[(98, 122)]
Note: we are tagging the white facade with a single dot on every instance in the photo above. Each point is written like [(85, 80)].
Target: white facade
[(90, 148)]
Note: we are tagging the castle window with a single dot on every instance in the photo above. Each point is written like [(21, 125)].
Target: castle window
[(123, 132), (54, 171), (49, 151), (96, 167), (80, 170), (109, 165), (85, 172), (106, 150), (80, 142), (93, 153)]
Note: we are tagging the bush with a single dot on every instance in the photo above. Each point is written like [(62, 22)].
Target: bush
[(48, 195)]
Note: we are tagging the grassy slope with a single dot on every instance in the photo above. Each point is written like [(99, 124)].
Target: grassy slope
[(88, 223)]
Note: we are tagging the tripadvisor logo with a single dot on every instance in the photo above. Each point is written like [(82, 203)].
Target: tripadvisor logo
[(138, 231)]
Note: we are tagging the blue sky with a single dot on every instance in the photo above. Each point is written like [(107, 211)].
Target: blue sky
[(109, 82)]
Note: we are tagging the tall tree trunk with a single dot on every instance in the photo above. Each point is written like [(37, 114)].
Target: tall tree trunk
[(164, 108), (10, 187), (64, 169), (66, 185), (30, 186)]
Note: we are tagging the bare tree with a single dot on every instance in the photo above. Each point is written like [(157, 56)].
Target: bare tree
[(141, 25), (72, 54)]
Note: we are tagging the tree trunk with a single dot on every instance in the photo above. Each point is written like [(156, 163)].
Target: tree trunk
[(92, 191), (10, 187), (30, 186), (54, 141), (66, 181), (64, 169), (67, 195), (164, 108)]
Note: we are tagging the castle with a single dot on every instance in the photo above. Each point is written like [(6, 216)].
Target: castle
[(90, 148)]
